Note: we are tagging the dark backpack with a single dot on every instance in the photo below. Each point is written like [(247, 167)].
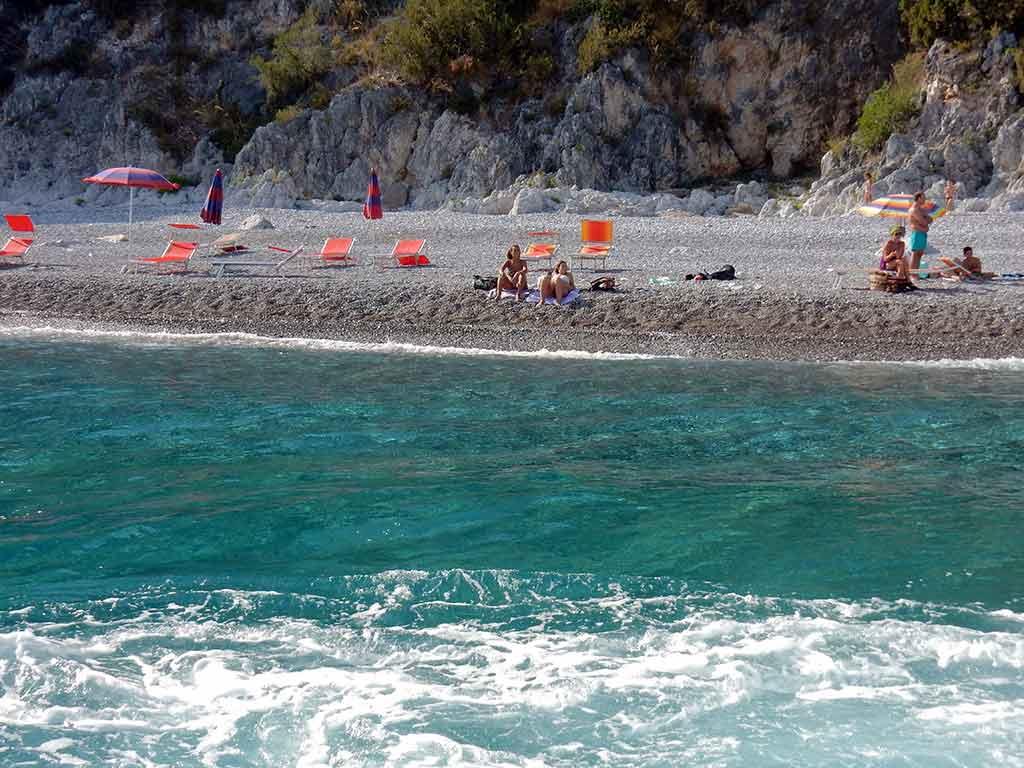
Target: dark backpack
[(485, 283)]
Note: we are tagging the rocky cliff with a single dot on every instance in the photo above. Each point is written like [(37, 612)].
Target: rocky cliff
[(88, 85), (169, 85), (970, 130), (759, 98)]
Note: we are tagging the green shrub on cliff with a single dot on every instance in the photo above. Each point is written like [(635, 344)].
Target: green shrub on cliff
[(300, 57), (889, 109), (959, 20), (603, 43), (443, 39)]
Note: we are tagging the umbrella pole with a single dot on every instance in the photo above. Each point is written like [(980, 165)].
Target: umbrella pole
[(131, 205)]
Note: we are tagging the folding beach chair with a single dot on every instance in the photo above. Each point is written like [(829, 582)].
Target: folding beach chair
[(337, 252), (176, 253), (541, 249), (24, 235), (227, 244), (595, 242), (406, 253), (223, 265)]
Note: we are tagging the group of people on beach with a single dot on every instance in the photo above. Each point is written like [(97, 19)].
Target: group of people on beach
[(895, 256), (555, 283)]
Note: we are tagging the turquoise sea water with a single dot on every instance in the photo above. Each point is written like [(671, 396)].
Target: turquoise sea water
[(243, 555)]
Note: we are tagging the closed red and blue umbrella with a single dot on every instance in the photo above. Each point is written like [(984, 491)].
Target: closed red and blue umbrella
[(214, 204), (131, 177), (372, 208)]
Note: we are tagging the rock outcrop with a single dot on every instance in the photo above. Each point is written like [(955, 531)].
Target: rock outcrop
[(759, 98), (970, 129), (92, 92)]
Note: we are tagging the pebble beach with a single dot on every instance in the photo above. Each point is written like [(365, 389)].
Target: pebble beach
[(801, 292)]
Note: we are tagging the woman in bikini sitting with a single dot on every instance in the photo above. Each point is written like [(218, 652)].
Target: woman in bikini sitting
[(556, 284), (512, 275), (894, 253)]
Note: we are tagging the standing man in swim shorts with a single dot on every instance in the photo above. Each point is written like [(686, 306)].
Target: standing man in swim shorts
[(920, 222)]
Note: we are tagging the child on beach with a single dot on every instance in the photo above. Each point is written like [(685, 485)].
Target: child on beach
[(869, 187), (512, 275), (950, 194)]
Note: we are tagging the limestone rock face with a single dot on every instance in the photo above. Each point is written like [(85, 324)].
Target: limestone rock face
[(78, 103), (970, 130), (760, 98)]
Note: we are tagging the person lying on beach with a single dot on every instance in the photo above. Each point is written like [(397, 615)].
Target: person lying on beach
[(512, 275), (894, 253), (969, 266), (557, 283)]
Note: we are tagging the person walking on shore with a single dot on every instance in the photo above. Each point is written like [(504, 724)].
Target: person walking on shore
[(920, 221), (869, 188), (950, 194)]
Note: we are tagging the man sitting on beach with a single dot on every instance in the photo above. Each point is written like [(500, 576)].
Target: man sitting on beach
[(512, 275), (969, 266)]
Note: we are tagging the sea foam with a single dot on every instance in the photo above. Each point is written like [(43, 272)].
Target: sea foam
[(243, 340)]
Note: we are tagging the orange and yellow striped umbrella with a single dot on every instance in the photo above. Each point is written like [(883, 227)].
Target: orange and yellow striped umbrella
[(897, 207)]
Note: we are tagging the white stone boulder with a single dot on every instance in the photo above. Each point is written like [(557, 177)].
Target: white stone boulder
[(699, 201), (528, 201), (256, 222)]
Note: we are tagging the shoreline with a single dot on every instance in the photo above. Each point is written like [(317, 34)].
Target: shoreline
[(800, 292), (698, 325)]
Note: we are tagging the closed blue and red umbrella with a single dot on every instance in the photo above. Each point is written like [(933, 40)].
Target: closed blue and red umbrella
[(214, 200), (372, 208)]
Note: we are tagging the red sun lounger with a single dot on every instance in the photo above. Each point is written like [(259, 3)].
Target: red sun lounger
[(337, 252), (407, 253), (177, 253), (24, 235)]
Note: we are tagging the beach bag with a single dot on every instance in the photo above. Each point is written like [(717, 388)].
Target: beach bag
[(727, 272), (883, 281), (603, 284), (485, 283)]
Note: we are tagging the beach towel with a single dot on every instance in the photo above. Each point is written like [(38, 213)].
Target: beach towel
[(569, 298), (533, 296)]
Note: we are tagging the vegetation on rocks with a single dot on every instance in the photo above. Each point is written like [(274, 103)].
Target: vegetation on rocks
[(959, 20), (299, 59), (890, 108)]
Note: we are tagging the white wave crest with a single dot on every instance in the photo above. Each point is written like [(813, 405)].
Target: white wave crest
[(236, 339), (527, 689)]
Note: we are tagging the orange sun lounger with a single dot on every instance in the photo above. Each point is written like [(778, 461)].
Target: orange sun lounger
[(541, 249), (406, 253), (176, 253), (596, 242), (24, 235), (337, 251)]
